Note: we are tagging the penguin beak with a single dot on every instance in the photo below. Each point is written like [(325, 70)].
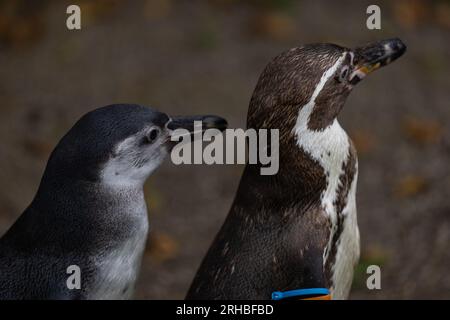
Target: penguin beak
[(189, 123), (375, 55)]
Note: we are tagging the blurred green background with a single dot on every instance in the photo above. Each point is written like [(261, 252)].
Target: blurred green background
[(205, 57)]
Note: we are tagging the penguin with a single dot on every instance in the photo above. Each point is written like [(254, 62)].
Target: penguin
[(296, 229), (89, 214)]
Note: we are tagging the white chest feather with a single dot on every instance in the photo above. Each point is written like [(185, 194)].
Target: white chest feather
[(119, 268), (347, 254)]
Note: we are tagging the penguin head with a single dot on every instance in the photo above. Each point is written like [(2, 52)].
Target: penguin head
[(318, 74), (119, 144)]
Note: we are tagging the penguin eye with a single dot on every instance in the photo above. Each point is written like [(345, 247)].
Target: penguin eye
[(151, 136), (344, 73)]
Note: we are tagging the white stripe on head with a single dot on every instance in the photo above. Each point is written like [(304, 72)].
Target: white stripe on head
[(305, 112), (352, 57)]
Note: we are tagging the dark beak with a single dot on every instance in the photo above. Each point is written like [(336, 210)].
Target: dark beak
[(187, 123), (375, 55)]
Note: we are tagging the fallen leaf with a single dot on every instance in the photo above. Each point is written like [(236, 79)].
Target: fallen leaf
[(38, 148), (422, 131), (153, 198), (375, 254), (442, 14), (161, 247), (275, 25), (410, 13), (363, 140), (157, 9), (409, 186), (21, 23), (94, 10)]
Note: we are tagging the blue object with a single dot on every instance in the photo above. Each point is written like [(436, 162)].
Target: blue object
[(278, 295)]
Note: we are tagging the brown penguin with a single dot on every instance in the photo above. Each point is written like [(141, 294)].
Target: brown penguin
[(296, 229)]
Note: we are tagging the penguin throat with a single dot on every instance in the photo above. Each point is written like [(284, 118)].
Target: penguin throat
[(121, 172)]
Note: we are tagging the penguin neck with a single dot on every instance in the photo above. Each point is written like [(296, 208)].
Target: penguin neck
[(98, 193), (312, 165), (328, 144), (318, 137), (330, 149), (87, 214), (313, 147)]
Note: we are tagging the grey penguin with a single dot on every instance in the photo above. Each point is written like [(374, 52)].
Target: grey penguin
[(89, 211), (296, 229)]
